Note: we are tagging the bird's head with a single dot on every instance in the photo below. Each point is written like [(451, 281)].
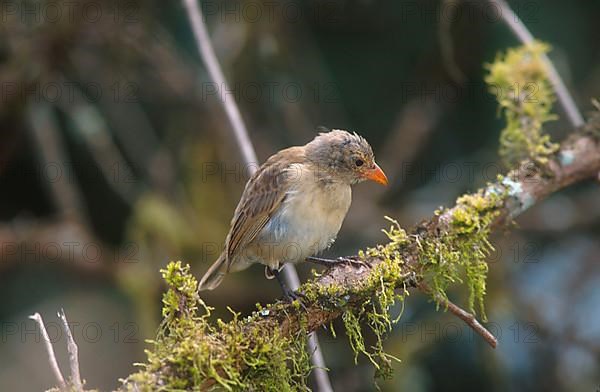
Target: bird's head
[(342, 156)]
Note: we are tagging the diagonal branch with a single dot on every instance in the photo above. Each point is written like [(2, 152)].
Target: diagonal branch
[(524, 35), (209, 58), (465, 316), (578, 159), (50, 349), (75, 384), (73, 353)]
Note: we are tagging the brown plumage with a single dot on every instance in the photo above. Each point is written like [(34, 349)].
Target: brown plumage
[(294, 205)]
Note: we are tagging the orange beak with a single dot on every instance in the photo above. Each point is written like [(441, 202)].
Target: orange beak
[(377, 175)]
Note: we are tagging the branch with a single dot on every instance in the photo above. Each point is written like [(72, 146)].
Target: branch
[(51, 356), (73, 353), (75, 384), (465, 316), (578, 159), (216, 74), (520, 30)]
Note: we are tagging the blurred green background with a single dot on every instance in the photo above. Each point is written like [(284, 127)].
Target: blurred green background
[(116, 157)]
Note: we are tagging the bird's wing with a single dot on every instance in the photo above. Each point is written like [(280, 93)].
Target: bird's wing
[(264, 193)]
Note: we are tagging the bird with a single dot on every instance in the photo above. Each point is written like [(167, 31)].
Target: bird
[(293, 206)]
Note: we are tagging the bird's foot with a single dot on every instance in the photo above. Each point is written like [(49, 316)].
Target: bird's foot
[(340, 260), (289, 295)]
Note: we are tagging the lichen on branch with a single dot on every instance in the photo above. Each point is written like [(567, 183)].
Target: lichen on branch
[(266, 351), (519, 80), (192, 352), (458, 255)]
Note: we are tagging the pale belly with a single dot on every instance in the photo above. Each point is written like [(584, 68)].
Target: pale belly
[(302, 227)]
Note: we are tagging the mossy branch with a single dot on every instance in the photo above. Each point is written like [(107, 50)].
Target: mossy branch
[(519, 79), (265, 351)]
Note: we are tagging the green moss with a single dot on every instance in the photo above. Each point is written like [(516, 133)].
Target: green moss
[(391, 250), (382, 292), (519, 79), (369, 303), (192, 353), (458, 254), (375, 313)]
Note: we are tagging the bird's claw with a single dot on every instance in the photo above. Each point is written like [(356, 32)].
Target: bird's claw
[(291, 296), (288, 294)]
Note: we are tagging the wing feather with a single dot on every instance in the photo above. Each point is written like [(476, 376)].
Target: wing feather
[(262, 196)]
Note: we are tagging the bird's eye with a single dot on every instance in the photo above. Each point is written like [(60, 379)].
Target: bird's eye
[(359, 162)]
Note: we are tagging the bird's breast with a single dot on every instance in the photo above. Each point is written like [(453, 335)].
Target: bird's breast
[(309, 219)]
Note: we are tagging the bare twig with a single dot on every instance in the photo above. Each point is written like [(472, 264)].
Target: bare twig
[(524, 35), (245, 144), (472, 322), (465, 316), (319, 371), (317, 359), (73, 353), (51, 356), (214, 69)]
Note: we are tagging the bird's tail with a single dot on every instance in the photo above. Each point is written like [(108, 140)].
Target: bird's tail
[(215, 274)]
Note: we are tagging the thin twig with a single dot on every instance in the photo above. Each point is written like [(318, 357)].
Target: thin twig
[(472, 322), (51, 356), (211, 62), (524, 35), (465, 316), (317, 359), (214, 69), (319, 371), (73, 353)]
